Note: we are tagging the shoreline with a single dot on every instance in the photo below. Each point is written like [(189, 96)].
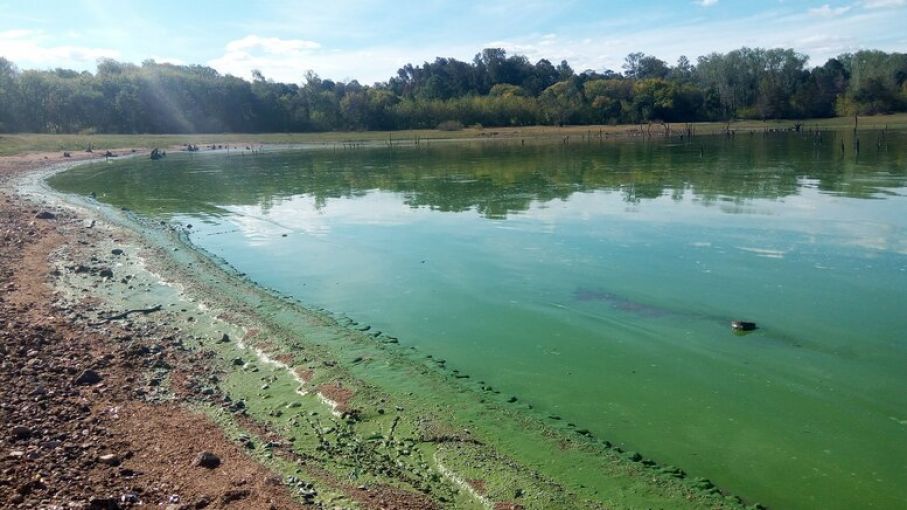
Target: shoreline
[(327, 349), (12, 144), (89, 435)]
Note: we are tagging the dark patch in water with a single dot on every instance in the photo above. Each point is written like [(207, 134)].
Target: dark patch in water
[(620, 303)]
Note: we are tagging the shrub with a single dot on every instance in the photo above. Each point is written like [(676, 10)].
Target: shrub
[(450, 125)]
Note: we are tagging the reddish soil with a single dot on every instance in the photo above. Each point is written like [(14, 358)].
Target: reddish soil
[(305, 374), (77, 430), (338, 394), (478, 486)]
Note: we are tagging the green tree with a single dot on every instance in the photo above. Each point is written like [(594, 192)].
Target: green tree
[(562, 103), (9, 95), (605, 98), (641, 66), (507, 90)]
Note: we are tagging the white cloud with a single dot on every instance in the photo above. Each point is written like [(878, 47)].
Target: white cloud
[(827, 10), (280, 59), (32, 48), (15, 34), (271, 45), (287, 60), (824, 44), (819, 37), (706, 3), (878, 4)]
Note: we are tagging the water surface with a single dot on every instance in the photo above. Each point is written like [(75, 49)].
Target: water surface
[(597, 282)]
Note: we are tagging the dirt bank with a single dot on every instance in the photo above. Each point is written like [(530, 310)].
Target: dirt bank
[(78, 430)]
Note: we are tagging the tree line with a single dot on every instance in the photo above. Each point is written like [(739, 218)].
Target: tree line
[(495, 89)]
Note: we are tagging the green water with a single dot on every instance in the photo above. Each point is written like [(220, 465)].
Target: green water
[(597, 282)]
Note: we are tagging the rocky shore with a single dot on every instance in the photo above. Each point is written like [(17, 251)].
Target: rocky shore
[(79, 428)]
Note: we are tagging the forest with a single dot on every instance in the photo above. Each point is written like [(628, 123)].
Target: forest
[(495, 89)]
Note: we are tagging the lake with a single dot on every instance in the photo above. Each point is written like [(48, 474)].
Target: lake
[(598, 282)]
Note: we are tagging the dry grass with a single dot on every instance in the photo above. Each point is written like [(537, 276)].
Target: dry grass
[(11, 144)]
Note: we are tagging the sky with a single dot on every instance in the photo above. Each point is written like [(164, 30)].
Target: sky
[(368, 40)]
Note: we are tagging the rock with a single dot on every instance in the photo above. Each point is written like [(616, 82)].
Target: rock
[(234, 495), (116, 251), (202, 502), (45, 215), (131, 498), (96, 503), (702, 483), (511, 400), (743, 326), (106, 273), (206, 460), (672, 471), (31, 486), (88, 377), (247, 442), (20, 432), (111, 459), (225, 339), (308, 495)]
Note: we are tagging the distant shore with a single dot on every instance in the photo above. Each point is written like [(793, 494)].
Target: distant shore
[(18, 144)]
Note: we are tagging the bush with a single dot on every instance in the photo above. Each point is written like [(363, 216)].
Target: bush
[(450, 125)]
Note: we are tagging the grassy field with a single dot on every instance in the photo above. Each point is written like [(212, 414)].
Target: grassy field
[(11, 144)]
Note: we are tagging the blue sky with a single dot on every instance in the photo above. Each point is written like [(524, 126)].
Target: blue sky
[(369, 39)]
